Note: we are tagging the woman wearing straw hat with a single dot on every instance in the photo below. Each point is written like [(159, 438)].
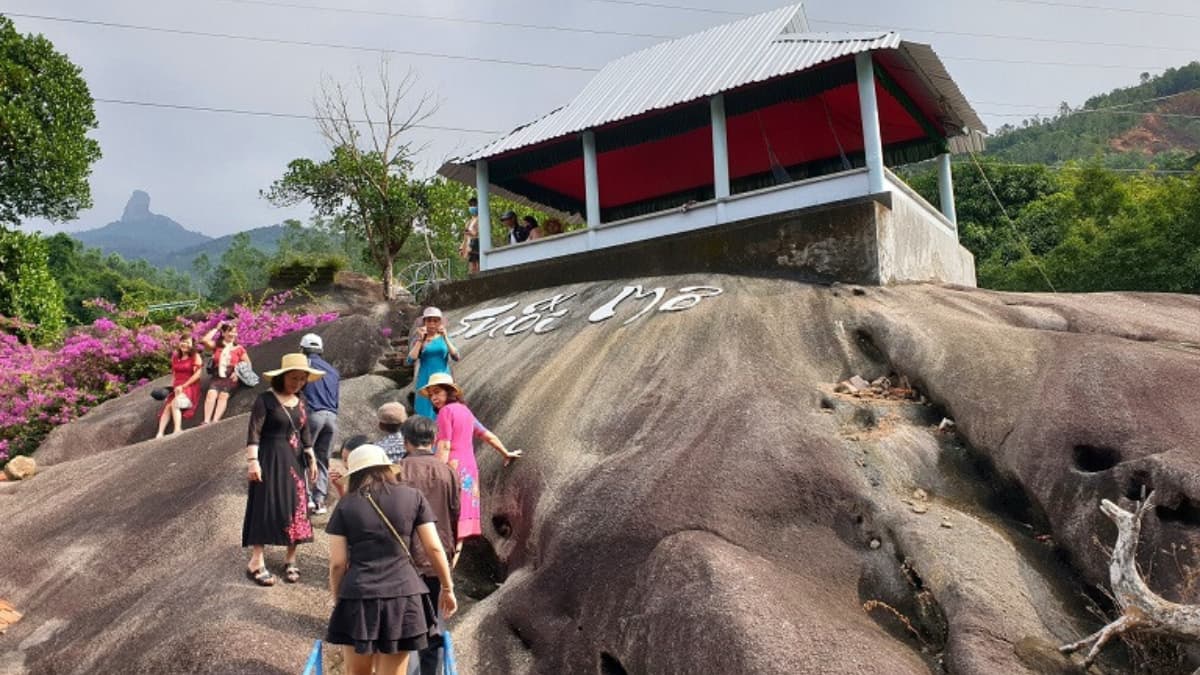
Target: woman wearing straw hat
[(278, 450), (457, 427), (381, 608), (432, 350)]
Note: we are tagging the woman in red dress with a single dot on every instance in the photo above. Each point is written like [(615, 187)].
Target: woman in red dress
[(186, 366)]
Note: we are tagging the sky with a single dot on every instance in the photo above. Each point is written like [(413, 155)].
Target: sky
[(1012, 59)]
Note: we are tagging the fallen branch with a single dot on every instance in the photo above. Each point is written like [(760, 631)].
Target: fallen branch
[(1141, 608)]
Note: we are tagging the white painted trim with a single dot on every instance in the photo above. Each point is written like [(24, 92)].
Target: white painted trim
[(899, 184)]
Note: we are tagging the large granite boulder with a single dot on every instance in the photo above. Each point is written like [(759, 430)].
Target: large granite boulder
[(695, 497), (353, 345)]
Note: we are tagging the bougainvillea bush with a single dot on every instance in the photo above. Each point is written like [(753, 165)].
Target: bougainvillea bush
[(41, 388)]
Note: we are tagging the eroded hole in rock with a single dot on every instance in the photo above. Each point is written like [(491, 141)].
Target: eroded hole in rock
[(609, 665), (866, 344), (865, 418), (1094, 459), (827, 403), (517, 634), (479, 571), (1186, 512), (1138, 486), (502, 526)]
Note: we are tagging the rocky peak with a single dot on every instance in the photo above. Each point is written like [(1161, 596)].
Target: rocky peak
[(137, 208)]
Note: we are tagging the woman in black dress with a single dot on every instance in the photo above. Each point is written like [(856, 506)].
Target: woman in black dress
[(381, 608), (278, 448)]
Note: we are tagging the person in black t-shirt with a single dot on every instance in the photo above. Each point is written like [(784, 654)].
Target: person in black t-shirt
[(381, 610)]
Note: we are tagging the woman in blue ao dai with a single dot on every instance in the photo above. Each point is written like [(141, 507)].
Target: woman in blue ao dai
[(432, 351)]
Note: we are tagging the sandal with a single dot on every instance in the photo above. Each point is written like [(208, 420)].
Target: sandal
[(261, 576), (291, 573)]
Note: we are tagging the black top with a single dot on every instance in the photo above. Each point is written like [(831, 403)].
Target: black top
[(379, 567)]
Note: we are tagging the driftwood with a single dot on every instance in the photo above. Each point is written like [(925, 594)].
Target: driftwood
[(1141, 608)]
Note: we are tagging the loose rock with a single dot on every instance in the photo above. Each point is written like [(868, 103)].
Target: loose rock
[(20, 468)]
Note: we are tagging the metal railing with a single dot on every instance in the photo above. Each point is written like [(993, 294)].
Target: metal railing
[(418, 277), (169, 306)]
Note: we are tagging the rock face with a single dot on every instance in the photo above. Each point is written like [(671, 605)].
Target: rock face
[(695, 496), (353, 345)]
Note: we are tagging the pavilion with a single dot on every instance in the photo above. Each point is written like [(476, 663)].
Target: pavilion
[(759, 120)]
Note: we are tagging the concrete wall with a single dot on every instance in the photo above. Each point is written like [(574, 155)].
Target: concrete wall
[(917, 243), (832, 242), (880, 239)]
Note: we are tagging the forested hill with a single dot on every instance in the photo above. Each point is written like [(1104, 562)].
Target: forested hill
[(1154, 123)]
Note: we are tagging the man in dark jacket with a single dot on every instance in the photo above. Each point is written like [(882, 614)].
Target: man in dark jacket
[(322, 399), (439, 483)]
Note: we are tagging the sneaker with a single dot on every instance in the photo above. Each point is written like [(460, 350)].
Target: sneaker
[(321, 510), (311, 507)]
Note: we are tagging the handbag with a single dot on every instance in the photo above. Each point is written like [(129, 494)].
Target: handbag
[(246, 374), (182, 402)]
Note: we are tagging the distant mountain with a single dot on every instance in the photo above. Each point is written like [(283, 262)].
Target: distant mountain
[(263, 238), (1156, 122), (164, 243), (141, 234)]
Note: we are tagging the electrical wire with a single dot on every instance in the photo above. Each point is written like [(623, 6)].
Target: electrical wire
[(1020, 237), (302, 43), (265, 113), (452, 19)]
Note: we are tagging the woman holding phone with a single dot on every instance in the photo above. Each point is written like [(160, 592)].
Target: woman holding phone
[(432, 350), (227, 354)]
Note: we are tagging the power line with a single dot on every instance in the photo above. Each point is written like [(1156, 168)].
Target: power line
[(452, 19), (265, 113), (1069, 64), (1023, 38), (302, 43), (659, 5), (1125, 10), (531, 64)]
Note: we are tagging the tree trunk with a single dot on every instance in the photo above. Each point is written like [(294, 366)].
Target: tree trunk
[(389, 280)]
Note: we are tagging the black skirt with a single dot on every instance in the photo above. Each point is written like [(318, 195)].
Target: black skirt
[(382, 625)]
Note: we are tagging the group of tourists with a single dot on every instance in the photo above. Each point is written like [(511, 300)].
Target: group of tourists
[(230, 363), (525, 228), (407, 500)]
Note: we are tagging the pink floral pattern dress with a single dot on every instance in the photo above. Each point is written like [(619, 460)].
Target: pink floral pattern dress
[(457, 424)]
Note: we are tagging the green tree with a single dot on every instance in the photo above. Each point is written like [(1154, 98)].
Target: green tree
[(45, 115), (242, 269), (367, 180), (28, 292)]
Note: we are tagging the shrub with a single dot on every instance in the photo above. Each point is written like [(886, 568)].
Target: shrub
[(299, 270), (42, 388)]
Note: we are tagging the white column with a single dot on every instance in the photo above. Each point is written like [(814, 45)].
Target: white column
[(946, 188), (872, 141), (485, 211), (720, 145), (591, 185)]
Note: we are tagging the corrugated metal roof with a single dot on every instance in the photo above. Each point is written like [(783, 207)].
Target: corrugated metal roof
[(719, 59)]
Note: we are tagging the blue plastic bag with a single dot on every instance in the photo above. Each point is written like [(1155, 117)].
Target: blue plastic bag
[(448, 666), (316, 661)]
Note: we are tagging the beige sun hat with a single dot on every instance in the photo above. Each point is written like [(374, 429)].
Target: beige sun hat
[(296, 362), (431, 313), (366, 456), (440, 380)]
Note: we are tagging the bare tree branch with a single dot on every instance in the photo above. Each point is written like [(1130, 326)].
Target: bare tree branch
[(1141, 608)]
